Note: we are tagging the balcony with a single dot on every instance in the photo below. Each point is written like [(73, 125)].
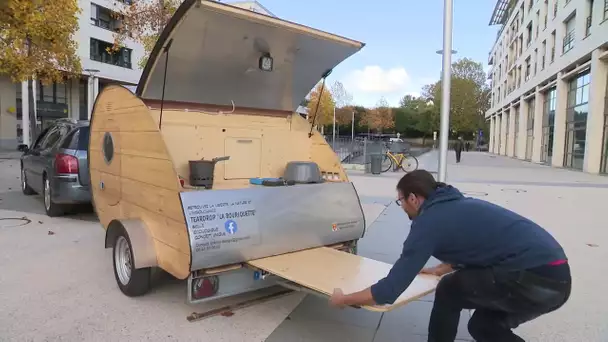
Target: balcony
[(542, 63), (588, 26), (568, 42), (105, 18), (555, 10)]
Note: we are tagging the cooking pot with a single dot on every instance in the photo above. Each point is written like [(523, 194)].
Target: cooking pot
[(201, 171)]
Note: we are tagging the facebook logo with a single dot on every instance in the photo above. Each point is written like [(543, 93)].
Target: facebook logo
[(230, 227)]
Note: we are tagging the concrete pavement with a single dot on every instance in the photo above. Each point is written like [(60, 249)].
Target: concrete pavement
[(569, 204), (61, 287)]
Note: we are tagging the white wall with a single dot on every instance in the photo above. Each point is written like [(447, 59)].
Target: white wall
[(88, 30)]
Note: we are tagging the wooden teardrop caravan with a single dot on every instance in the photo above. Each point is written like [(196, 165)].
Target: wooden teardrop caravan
[(221, 82)]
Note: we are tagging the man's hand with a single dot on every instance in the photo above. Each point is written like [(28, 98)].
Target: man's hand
[(337, 299), (438, 270)]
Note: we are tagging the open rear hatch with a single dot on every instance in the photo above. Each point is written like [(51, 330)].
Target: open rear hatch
[(213, 52), (321, 270)]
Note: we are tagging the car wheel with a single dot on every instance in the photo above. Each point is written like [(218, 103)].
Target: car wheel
[(132, 282), (52, 209), (24, 186)]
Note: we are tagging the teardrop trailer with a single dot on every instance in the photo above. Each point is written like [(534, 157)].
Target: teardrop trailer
[(208, 173)]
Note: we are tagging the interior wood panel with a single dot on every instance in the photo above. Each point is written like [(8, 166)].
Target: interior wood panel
[(245, 157), (325, 269)]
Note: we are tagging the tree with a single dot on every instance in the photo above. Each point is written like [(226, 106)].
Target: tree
[(470, 96), (413, 116), (36, 40), (144, 21), (325, 113), (466, 68), (381, 117), (343, 100)]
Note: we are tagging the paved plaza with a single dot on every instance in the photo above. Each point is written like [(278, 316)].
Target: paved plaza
[(57, 282)]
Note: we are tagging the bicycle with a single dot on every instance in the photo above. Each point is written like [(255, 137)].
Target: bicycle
[(396, 160)]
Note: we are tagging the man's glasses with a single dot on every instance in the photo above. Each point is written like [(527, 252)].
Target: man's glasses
[(399, 201)]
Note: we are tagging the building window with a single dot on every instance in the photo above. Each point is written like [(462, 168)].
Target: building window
[(528, 68), (555, 9), (553, 46), (544, 53), (548, 125), (105, 18), (605, 9), (99, 52), (530, 129), (529, 34), (569, 37), (576, 121), (546, 11), (537, 23)]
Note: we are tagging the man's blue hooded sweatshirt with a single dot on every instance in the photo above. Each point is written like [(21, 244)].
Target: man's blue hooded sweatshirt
[(467, 232)]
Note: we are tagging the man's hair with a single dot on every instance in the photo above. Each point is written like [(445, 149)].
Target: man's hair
[(419, 182)]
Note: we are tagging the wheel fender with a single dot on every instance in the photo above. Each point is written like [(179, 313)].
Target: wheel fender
[(142, 244)]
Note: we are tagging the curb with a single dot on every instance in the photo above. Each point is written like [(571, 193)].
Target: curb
[(354, 167)]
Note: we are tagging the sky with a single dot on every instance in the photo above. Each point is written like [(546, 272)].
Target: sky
[(401, 37)]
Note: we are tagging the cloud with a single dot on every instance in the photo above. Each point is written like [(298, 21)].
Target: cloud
[(372, 82), (374, 79)]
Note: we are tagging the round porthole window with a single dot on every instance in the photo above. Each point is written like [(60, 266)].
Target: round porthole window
[(107, 147)]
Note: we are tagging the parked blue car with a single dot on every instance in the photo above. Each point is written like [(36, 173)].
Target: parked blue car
[(56, 166)]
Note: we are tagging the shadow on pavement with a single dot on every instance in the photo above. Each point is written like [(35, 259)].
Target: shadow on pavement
[(15, 200)]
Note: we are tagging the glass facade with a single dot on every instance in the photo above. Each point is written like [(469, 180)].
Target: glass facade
[(516, 131), (530, 130), (507, 124), (604, 165), (499, 135), (576, 121), (548, 125)]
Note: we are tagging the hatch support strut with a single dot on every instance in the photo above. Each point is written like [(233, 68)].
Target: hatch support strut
[(162, 99)]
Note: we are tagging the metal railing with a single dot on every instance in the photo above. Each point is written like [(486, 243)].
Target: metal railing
[(360, 149), (568, 42)]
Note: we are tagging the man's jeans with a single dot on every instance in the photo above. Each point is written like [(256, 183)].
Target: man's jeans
[(502, 301)]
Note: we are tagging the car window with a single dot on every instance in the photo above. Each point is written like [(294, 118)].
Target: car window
[(51, 139), (40, 139), (83, 139), (78, 139)]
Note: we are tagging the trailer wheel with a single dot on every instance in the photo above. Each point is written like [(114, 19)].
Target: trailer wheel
[(132, 282)]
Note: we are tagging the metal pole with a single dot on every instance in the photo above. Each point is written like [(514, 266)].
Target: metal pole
[(333, 140), (352, 134), (445, 89)]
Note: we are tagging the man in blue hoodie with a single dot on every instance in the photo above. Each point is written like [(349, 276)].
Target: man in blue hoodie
[(503, 265)]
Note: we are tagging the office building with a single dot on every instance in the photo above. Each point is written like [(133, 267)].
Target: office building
[(75, 97), (549, 78)]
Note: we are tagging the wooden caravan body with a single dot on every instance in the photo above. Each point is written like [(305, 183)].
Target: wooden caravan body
[(216, 102), (207, 92)]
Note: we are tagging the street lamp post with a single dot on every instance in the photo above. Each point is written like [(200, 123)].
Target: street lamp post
[(445, 89)]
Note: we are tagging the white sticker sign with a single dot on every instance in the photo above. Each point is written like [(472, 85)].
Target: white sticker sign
[(220, 224)]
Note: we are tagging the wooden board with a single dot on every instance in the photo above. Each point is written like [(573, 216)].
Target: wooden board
[(325, 269)]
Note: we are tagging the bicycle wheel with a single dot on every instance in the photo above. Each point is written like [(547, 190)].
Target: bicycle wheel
[(409, 164), (387, 163)]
